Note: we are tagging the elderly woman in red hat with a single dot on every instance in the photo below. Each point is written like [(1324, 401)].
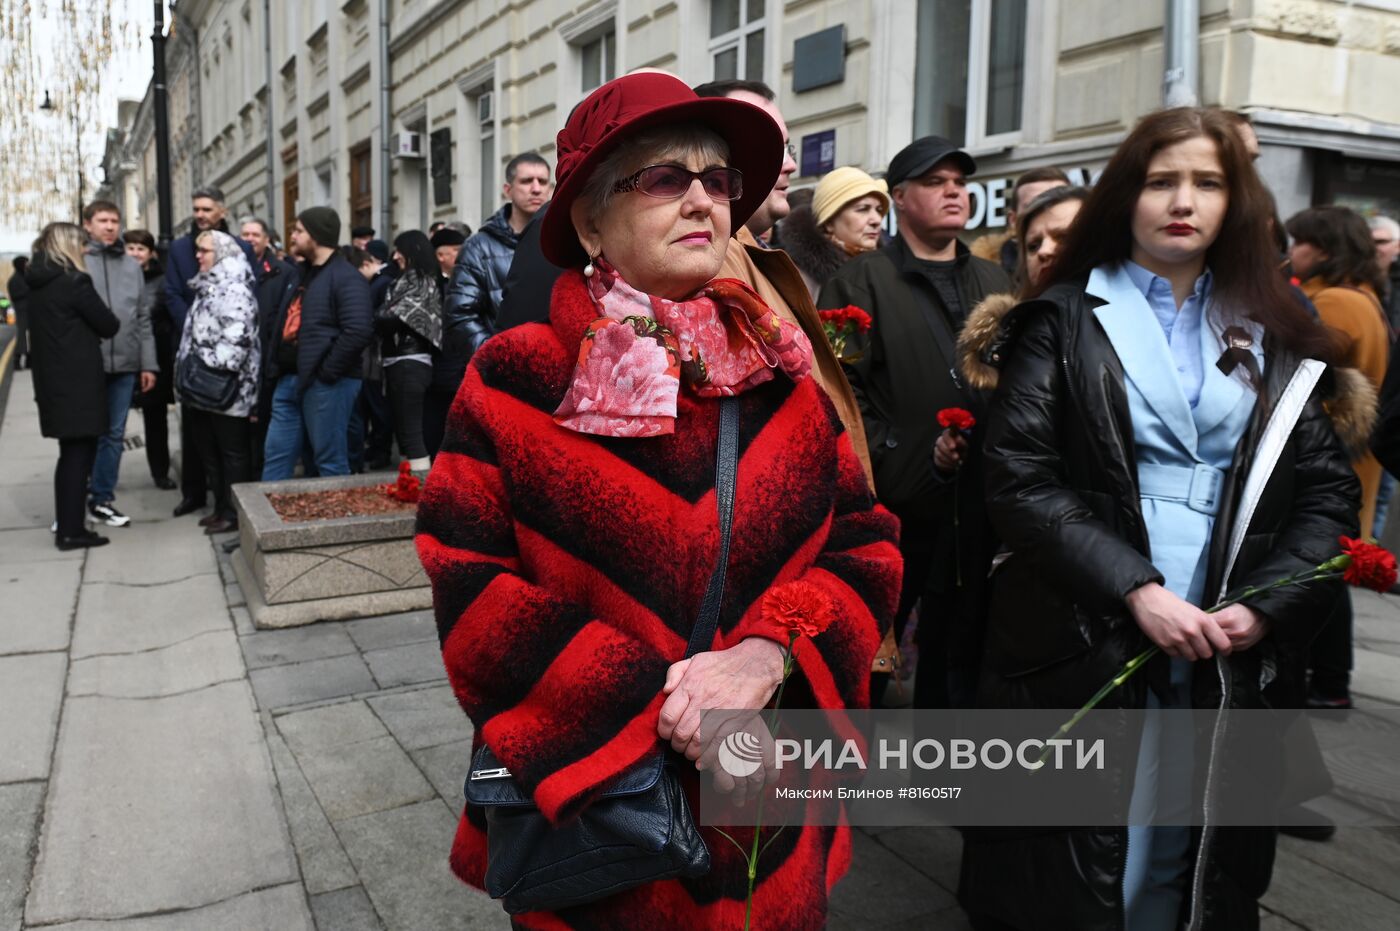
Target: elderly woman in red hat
[(569, 526)]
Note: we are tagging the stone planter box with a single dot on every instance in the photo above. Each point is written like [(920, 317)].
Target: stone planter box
[(324, 570)]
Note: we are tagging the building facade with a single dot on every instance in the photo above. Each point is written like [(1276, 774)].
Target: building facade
[(402, 112)]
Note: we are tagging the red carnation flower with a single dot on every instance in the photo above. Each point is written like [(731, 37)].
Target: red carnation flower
[(860, 318), (1370, 567), (956, 418), (799, 608)]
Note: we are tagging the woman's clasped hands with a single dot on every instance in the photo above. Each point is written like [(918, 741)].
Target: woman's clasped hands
[(1184, 631), (740, 679)]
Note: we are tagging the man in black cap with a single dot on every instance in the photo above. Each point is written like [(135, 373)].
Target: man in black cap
[(919, 289), (447, 244), (315, 352)]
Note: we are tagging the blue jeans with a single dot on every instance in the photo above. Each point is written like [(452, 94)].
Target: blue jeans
[(286, 438), (103, 487), (1383, 496), (326, 410), (317, 421)]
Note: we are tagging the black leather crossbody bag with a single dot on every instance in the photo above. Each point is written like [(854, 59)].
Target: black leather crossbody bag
[(640, 828), (203, 386)]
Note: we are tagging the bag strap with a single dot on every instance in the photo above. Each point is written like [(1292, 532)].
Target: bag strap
[(726, 473), (1276, 433)]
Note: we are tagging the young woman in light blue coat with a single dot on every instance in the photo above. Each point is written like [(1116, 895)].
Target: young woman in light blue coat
[(1134, 388)]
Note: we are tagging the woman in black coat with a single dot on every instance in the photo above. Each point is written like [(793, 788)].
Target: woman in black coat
[(1102, 559), (67, 323), (409, 326), (19, 299)]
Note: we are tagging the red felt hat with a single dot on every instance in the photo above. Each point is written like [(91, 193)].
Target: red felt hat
[(613, 113)]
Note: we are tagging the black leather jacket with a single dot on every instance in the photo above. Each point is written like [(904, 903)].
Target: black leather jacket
[(1061, 483), (397, 338), (473, 297)]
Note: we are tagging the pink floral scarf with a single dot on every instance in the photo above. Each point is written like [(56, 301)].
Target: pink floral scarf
[(634, 358)]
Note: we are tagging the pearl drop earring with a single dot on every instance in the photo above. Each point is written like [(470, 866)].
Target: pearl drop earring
[(588, 269)]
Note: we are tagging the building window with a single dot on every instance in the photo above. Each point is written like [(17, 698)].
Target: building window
[(361, 188), (598, 61), (970, 76), (736, 39), (291, 190), (486, 117), (440, 160)]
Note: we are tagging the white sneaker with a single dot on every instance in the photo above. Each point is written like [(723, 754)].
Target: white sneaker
[(108, 514)]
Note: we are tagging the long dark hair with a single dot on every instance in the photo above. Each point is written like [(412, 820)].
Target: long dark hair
[(1346, 238), (415, 246), (1241, 258)]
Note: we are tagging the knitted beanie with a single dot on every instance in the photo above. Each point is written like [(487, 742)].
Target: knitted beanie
[(323, 224)]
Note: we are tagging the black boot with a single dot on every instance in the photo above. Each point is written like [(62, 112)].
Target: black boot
[(83, 540)]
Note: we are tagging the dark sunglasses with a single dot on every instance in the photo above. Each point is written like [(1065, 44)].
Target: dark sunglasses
[(672, 181)]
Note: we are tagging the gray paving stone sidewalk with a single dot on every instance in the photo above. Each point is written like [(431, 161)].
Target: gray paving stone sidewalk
[(169, 767), (137, 790)]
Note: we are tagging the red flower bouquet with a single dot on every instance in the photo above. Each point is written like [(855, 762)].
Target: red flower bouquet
[(840, 324), (406, 488)]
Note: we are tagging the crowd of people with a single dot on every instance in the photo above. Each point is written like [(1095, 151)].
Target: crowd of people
[(322, 356), (1119, 350)]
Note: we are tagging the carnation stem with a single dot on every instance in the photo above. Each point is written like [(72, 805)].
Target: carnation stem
[(753, 855)]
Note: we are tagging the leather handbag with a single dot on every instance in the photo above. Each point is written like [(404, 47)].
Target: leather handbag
[(203, 386), (640, 828)]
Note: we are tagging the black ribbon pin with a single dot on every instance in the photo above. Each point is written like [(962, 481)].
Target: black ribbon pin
[(1238, 344)]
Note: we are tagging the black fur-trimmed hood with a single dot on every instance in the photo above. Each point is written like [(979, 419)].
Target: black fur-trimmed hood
[(809, 248)]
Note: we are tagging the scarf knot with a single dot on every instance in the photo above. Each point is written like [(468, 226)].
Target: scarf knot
[(636, 356)]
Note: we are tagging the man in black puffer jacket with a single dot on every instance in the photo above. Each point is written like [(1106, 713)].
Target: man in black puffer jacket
[(473, 298), (315, 349)]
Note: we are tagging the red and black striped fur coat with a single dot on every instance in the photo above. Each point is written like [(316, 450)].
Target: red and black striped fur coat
[(567, 571)]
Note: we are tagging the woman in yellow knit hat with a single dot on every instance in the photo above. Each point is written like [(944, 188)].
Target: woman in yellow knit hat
[(848, 208)]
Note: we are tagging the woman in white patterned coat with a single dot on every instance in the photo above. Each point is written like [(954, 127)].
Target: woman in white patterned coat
[(217, 369)]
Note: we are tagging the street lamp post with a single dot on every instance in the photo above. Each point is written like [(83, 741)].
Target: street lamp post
[(162, 121), (48, 105)]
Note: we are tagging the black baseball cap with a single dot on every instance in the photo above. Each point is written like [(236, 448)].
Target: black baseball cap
[(921, 155)]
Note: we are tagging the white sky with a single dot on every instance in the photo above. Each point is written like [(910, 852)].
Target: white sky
[(129, 73)]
